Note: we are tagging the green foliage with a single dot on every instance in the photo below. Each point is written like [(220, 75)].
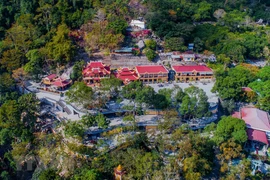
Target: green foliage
[(88, 120), (86, 173), (150, 54), (118, 25), (175, 44), (102, 121), (61, 48), (210, 127), (229, 127), (48, 174), (80, 93), (229, 83), (6, 82), (203, 11), (264, 73), (234, 19), (77, 71), (194, 103), (150, 43), (74, 129), (101, 37), (34, 66)]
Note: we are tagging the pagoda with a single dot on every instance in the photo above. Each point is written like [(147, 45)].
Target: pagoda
[(94, 72), (126, 75)]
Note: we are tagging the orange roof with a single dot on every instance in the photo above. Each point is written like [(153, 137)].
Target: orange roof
[(151, 69)]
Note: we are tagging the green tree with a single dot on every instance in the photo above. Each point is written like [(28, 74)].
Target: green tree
[(79, 93), (229, 127), (44, 16), (179, 95), (198, 45), (12, 59), (150, 54), (111, 85), (203, 11), (85, 173), (76, 73), (234, 19), (118, 25), (34, 66), (74, 129), (151, 44), (264, 73), (88, 120), (229, 83), (229, 151), (102, 121), (6, 82), (175, 44), (48, 174), (61, 48), (167, 93)]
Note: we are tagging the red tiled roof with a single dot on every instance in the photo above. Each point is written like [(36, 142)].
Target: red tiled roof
[(61, 83), (96, 65), (179, 68), (126, 74), (255, 119), (151, 69), (51, 77), (256, 135), (93, 68)]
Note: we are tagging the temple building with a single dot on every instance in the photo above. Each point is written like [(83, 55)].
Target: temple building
[(61, 84), (192, 73), (48, 80), (257, 123), (126, 75), (95, 71), (152, 73)]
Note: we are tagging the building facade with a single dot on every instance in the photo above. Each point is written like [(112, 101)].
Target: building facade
[(152, 73), (95, 71), (192, 73)]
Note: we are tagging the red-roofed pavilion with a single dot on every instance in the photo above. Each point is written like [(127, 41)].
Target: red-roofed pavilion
[(192, 73), (48, 80), (126, 75), (95, 71), (62, 84), (152, 73), (257, 122)]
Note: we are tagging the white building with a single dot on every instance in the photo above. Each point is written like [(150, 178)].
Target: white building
[(137, 24)]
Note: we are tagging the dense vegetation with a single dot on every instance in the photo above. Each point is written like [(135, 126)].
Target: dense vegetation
[(37, 38)]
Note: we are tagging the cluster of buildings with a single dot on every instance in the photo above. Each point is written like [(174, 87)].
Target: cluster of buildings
[(93, 72), (57, 82)]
